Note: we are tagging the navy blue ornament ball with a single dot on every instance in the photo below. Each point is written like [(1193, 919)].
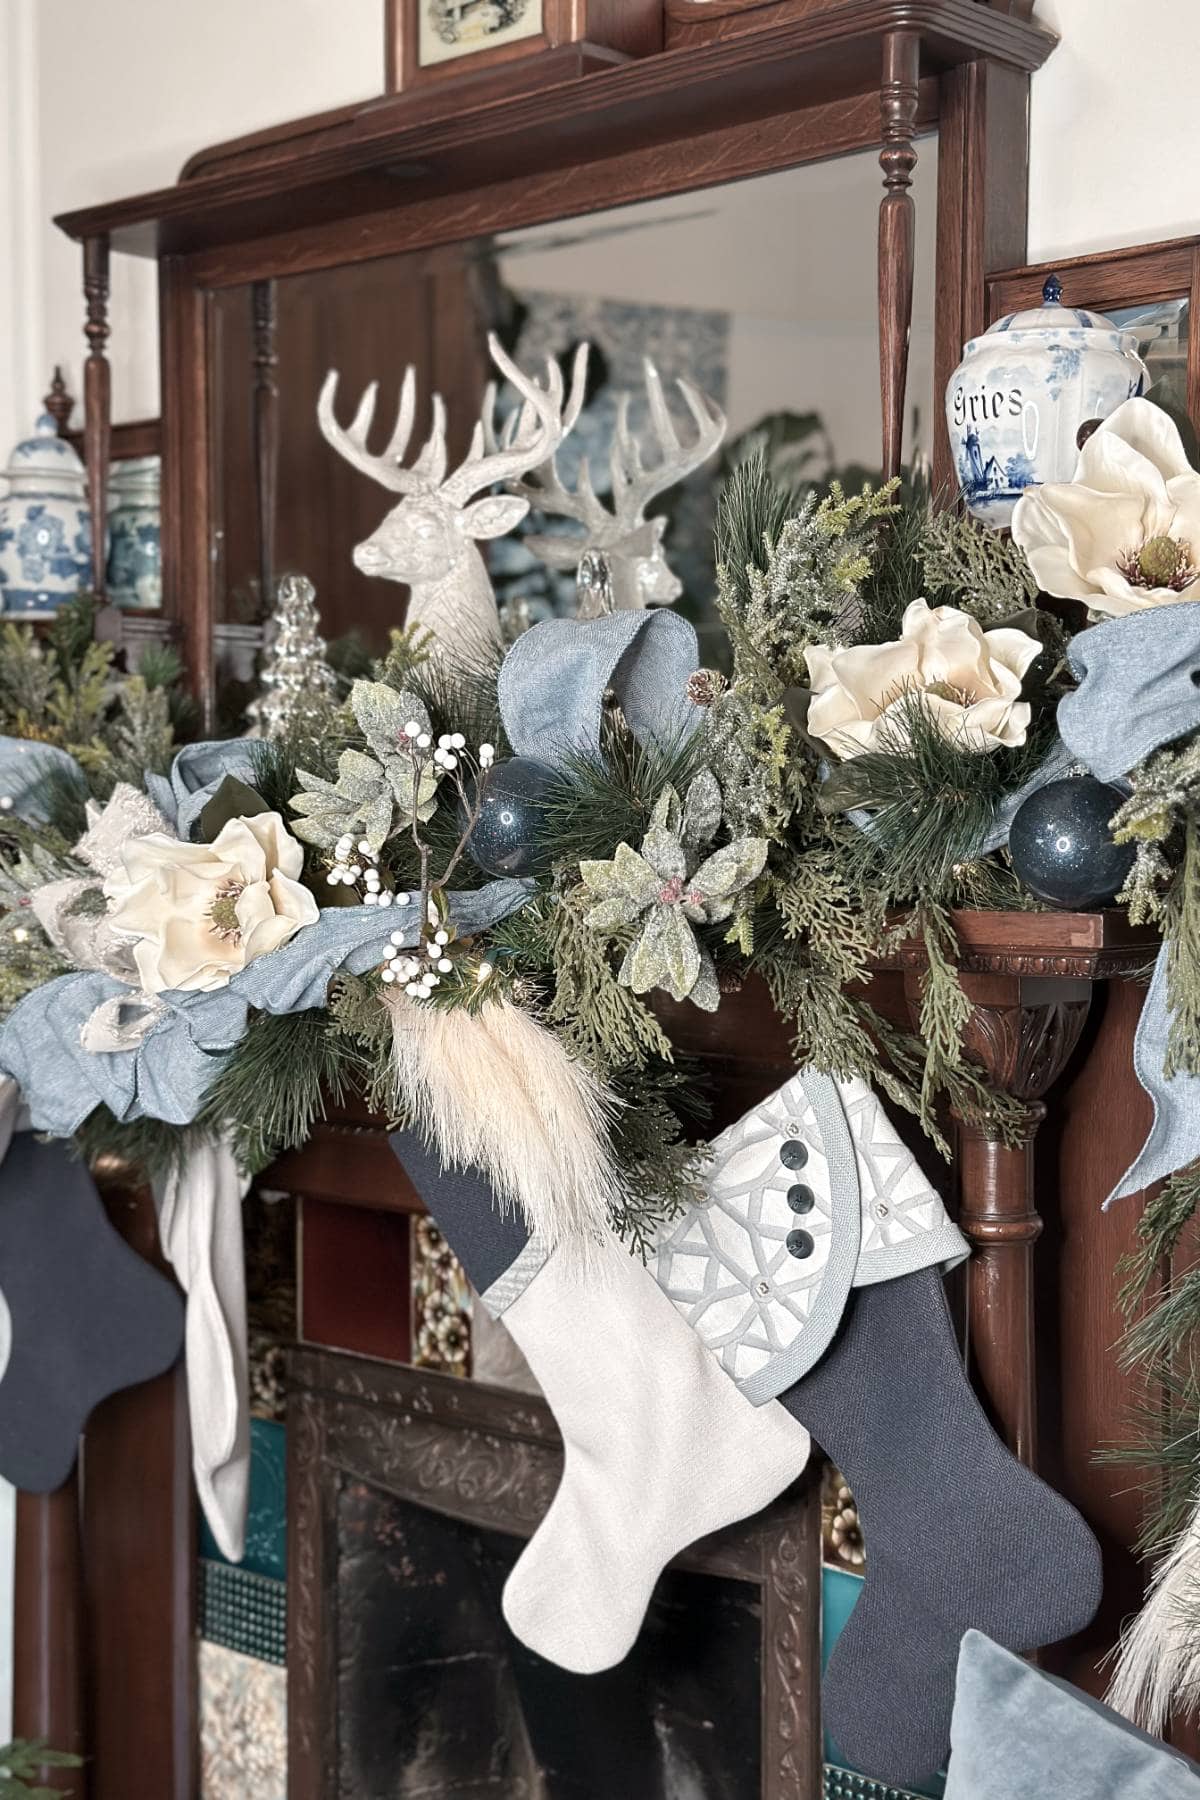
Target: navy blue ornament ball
[(1061, 846), (506, 837)]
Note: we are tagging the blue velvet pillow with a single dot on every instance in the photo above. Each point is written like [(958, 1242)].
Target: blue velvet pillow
[(1020, 1735)]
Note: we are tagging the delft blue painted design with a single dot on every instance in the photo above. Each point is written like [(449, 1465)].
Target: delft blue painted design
[(45, 532), (135, 536), (1016, 401), (49, 556), (135, 565)]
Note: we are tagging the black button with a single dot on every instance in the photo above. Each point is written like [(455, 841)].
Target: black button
[(794, 1154), (800, 1198), (799, 1243)]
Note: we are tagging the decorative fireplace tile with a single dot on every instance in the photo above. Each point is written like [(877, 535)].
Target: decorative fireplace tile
[(242, 1611), (243, 1727), (266, 1523), (441, 1303), (841, 1784), (842, 1543)]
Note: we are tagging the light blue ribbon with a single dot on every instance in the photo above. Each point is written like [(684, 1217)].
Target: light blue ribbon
[(1139, 688), (196, 773), (167, 1074), (26, 772), (553, 681)]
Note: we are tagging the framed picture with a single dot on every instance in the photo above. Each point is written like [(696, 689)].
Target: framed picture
[(429, 40)]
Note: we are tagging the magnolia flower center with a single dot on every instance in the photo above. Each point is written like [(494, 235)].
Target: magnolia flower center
[(222, 914), (1161, 562), (947, 690)]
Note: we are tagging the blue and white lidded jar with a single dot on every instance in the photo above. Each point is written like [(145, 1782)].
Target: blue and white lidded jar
[(45, 532), (135, 534), (1018, 397)]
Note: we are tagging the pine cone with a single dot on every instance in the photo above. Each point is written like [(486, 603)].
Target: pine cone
[(705, 687)]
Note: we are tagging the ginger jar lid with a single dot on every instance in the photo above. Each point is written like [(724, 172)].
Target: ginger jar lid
[(1053, 321), (135, 478), (45, 458)]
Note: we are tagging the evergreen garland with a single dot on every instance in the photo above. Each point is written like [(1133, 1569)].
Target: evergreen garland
[(813, 918)]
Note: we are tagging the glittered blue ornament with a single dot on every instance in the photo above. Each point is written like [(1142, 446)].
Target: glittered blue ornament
[(505, 838), (1061, 846)]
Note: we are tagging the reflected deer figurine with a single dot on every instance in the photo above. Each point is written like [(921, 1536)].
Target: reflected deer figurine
[(630, 544), (429, 540)]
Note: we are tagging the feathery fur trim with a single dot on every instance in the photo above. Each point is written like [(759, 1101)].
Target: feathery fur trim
[(1158, 1658), (497, 1090)]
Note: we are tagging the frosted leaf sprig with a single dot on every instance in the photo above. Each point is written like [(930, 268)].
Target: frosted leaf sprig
[(377, 790), (669, 887)]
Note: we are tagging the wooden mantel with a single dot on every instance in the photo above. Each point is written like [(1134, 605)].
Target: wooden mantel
[(369, 159)]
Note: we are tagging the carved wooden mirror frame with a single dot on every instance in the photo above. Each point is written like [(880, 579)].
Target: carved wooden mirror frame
[(751, 89)]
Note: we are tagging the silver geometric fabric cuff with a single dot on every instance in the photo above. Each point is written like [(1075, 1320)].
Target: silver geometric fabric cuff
[(810, 1193)]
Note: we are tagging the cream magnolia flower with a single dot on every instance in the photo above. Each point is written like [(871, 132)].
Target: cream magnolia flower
[(201, 912), (969, 681), (1124, 534)]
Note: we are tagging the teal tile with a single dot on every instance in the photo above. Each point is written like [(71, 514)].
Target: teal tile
[(242, 1611), (844, 1784), (266, 1523), (839, 1591)]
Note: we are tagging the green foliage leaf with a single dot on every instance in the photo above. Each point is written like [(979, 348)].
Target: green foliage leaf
[(22, 1762), (665, 954), (667, 814), (665, 853), (233, 799), (701, 810), (625, 876), (725, 873)]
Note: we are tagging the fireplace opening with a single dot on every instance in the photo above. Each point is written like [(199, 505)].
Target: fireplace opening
[(436, 1698)]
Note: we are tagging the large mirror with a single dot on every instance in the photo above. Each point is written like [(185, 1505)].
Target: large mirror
[(760, 293)]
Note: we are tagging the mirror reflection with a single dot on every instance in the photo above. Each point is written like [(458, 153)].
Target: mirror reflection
[(755, 305)]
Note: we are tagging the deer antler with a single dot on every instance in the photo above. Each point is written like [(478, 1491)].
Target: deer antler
[(388, 469), (633, 485), (532, 436)]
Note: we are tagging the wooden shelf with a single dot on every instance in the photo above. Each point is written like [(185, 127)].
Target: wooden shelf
[(383, 154), (1091, 946)]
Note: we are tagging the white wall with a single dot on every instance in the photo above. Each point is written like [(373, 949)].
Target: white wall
[(1113, 126), (130, 88), (22, 353)]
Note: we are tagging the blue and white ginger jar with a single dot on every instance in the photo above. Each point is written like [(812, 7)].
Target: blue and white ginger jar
[(135, 534), (45, 532), (1018, 397)]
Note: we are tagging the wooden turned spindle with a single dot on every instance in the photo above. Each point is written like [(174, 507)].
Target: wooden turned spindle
[(897, 233), (266, 430), (59, 403), (998, 1216), (48, 1629), (1021, 1031), (97, 399)]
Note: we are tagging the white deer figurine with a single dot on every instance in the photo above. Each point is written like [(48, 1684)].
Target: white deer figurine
[(630, 544), (429, 540)]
